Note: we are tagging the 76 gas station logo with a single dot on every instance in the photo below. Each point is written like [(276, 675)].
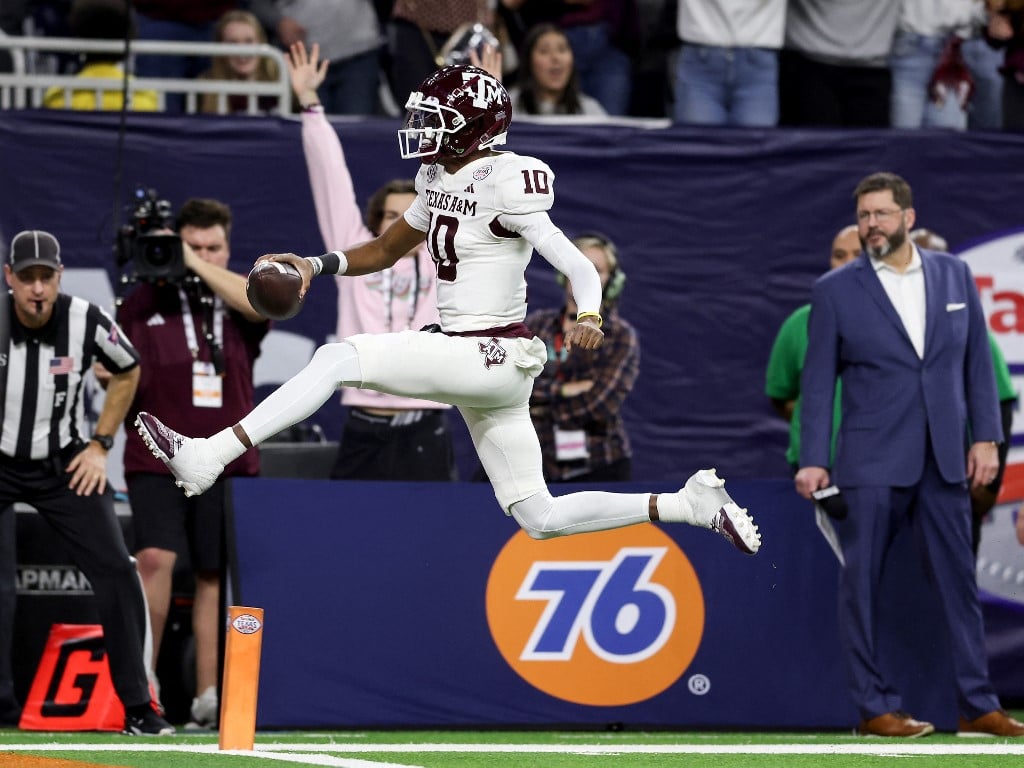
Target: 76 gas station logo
[(603, 619), (613, 607)]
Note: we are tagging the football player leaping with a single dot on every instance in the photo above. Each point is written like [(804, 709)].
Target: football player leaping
[(482, 213)]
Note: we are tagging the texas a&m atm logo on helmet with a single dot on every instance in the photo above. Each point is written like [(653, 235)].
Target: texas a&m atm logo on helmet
[(457, 110), (604, 619)]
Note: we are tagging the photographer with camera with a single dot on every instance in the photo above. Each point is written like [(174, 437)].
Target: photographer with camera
[(198, 338)]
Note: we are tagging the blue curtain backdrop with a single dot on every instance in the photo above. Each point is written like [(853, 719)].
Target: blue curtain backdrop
[(722, 232)]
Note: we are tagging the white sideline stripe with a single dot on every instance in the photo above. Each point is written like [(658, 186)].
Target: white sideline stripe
[(326, 760), (882, 748)]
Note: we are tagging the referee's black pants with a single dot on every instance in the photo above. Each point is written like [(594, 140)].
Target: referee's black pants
[(7, 606), (89, 528)]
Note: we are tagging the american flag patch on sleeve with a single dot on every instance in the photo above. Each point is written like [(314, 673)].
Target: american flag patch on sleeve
[(60, 365)]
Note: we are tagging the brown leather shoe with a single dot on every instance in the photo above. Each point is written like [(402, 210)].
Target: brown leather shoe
[(897, 724), (995, 723)]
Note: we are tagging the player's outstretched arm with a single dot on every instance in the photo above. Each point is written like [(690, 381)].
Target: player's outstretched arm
[(384, 250), (377, 254)]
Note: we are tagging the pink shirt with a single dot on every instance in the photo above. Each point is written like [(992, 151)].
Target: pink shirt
[(393, 300)]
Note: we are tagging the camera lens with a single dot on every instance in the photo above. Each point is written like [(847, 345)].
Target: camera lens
[(157, 255)]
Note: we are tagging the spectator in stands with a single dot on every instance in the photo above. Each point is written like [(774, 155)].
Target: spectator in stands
[(983, 61), (101, 20), (349, 35), (920, 423), (833, 69), (198, 339), (1006, 31), (12, 22), (240, 27), (183, 21), (576, 405), (417, 33), (604, 37), (786, 361), (727, 72), (932, 86), (385, 437), (983, 497), (548, 83), (50, 340)]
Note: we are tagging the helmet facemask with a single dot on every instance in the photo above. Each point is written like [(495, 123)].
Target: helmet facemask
[(457, 111), (427, 126)]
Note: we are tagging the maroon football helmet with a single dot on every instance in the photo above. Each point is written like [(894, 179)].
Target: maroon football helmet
[(457, 110)]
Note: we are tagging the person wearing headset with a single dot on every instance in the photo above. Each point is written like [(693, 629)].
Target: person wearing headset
[(576, 405)]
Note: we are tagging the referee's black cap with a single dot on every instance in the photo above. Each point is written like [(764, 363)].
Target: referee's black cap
[(33, 247)]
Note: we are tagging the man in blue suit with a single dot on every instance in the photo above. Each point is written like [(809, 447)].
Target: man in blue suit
[(920, 420)]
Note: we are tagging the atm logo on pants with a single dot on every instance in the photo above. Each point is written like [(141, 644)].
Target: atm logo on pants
[(605, 619)]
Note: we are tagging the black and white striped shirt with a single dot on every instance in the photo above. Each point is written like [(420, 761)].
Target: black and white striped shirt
[(43, 409)]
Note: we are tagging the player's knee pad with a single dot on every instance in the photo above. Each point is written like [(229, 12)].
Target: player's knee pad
[(341, 360), (534, 516)]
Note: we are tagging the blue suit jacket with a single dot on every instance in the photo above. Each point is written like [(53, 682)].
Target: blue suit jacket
[(892, 400)]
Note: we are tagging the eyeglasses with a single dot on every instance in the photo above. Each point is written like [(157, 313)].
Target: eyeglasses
[(881, 216)]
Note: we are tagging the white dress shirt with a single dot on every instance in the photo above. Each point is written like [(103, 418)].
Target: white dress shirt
[(906, 292)]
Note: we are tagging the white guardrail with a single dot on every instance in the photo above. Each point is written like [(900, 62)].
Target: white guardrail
[(23, 88)]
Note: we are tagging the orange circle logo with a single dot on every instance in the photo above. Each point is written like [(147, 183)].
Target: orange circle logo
[(605, 619)]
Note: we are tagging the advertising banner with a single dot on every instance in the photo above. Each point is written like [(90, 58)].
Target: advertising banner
[(422, 605)]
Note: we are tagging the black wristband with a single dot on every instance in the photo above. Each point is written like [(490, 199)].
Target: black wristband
[(333, 262)]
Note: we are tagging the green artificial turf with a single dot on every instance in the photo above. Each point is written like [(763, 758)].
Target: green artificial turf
[(510, 749)]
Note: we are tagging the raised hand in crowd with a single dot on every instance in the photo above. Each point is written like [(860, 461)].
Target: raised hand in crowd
[(307, 71)]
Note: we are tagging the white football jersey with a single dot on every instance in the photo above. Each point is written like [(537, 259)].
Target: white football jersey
[(481, 265)]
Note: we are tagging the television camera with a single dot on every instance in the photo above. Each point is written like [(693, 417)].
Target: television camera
[(149, 242)]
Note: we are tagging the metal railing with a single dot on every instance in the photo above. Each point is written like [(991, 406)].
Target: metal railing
[(23, 88)]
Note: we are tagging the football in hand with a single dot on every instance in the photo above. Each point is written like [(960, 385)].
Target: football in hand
[(273, 289)]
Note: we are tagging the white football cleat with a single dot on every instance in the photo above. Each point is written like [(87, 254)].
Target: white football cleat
[(190, 459), (204, 711), (705, 503)]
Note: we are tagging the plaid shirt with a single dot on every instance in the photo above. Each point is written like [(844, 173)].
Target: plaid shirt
[(441, 15), (598, 412)]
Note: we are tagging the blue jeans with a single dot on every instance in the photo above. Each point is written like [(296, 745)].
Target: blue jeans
[(727, 86), (183, 67), (986, 111), (912, 62), (604, 71), (351, 85)]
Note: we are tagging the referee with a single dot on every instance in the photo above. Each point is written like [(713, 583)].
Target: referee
[(48, 342)]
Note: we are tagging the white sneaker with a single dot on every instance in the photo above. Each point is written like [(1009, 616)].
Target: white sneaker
[(204, 711), (705, 503), (189, 459)]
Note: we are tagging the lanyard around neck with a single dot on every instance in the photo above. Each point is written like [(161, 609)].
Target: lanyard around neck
[(387, 287), (214, 336)]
